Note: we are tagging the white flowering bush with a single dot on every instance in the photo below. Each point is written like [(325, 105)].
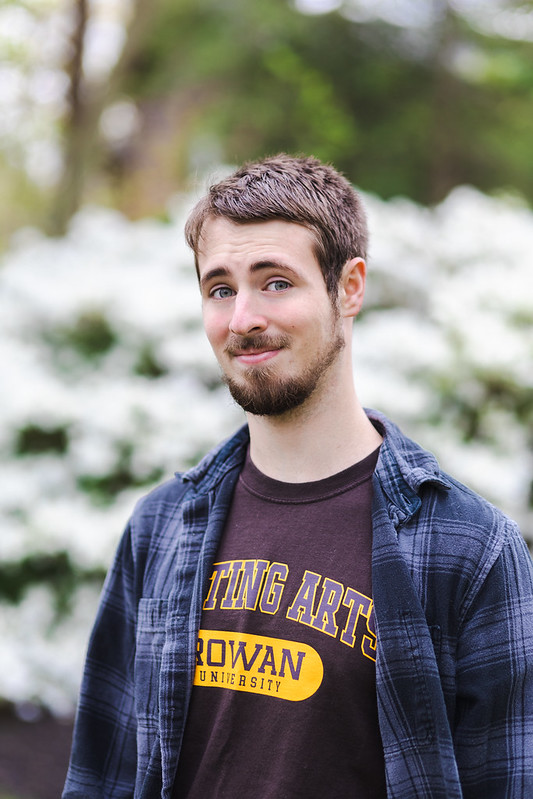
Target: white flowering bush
[(446, 346), (109, 386)]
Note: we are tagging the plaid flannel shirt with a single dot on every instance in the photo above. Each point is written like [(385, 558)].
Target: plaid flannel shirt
[(453, 595)]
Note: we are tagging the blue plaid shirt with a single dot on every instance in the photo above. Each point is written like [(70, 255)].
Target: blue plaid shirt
[(453, 595)]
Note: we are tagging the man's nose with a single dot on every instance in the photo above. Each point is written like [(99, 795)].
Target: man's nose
[(246, 317)]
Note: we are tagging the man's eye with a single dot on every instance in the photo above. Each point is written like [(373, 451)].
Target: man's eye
[(278, 285), (222, 293)]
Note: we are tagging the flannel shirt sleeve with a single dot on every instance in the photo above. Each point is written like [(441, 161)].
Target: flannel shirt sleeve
[(493, 733), (103, 758)]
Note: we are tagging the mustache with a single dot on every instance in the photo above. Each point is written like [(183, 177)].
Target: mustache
[(239, 344)]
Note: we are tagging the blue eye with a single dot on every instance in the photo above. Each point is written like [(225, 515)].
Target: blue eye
[(222, 293), (278, 285)]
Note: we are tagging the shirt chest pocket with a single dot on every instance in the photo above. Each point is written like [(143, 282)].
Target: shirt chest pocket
[(411, 691), (150, 639)]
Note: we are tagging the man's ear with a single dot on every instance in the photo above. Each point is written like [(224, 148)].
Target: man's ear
[(352, 287)]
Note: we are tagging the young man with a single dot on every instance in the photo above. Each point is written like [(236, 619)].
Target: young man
[(316, 609)]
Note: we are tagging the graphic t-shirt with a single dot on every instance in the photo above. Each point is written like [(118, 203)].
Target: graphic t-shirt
[(284, 697)]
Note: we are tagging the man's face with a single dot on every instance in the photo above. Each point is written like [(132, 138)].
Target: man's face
[(267, 314)]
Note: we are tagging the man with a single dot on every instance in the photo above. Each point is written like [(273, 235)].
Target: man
[(316, 609)]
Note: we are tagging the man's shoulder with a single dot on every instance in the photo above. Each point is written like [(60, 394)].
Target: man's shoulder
[(166, 494), (468, 526), (461, 499), (407, 469), (449, 535)]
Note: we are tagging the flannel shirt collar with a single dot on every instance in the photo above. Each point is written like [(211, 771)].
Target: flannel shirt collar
[(403, 469), (403, 466), (228, 455)]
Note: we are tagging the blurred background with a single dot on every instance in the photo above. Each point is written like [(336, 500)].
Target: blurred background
[(113, 115)]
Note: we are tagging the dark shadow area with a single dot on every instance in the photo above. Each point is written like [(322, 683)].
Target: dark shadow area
[(33, 756)]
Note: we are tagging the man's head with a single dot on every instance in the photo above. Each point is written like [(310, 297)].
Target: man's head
[(301, 190)]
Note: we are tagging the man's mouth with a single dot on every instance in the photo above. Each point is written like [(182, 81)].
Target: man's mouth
[(255, 350), (255, 356)]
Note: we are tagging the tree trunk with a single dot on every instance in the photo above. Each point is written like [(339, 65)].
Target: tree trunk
[(86, 103), (441, 167)]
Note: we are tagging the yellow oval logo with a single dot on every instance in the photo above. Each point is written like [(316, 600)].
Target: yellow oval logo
[(257, 664)]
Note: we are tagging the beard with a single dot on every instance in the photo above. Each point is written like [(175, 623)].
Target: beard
[(263, 393)]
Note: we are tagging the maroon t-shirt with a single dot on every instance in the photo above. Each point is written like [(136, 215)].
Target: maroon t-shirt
[(284, 697)]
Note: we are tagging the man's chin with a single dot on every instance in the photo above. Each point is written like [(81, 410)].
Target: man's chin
[(260, 389), (268, 397)]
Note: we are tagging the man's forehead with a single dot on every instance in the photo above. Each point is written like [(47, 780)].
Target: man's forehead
[(219, 232)]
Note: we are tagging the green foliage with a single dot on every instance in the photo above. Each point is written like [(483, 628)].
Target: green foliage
[(21, 199), (36, 440), (471, 403), (401, 111), (398, 119), (90, 336), (56, 571), (104, 488), (148, 364)]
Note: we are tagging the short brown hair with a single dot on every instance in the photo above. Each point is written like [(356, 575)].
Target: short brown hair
[(297, 189)]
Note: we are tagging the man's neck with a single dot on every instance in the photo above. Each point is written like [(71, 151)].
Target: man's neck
[(314, 441)]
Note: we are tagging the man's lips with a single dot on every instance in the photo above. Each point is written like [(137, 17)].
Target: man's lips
[(254, 356), (258, 349)]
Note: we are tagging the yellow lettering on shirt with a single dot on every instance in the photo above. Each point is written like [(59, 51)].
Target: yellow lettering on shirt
[(257, 664)]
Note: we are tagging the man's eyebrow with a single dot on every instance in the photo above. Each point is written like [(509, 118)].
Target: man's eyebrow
[(258, 266), (217, 271), (271, 263)]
